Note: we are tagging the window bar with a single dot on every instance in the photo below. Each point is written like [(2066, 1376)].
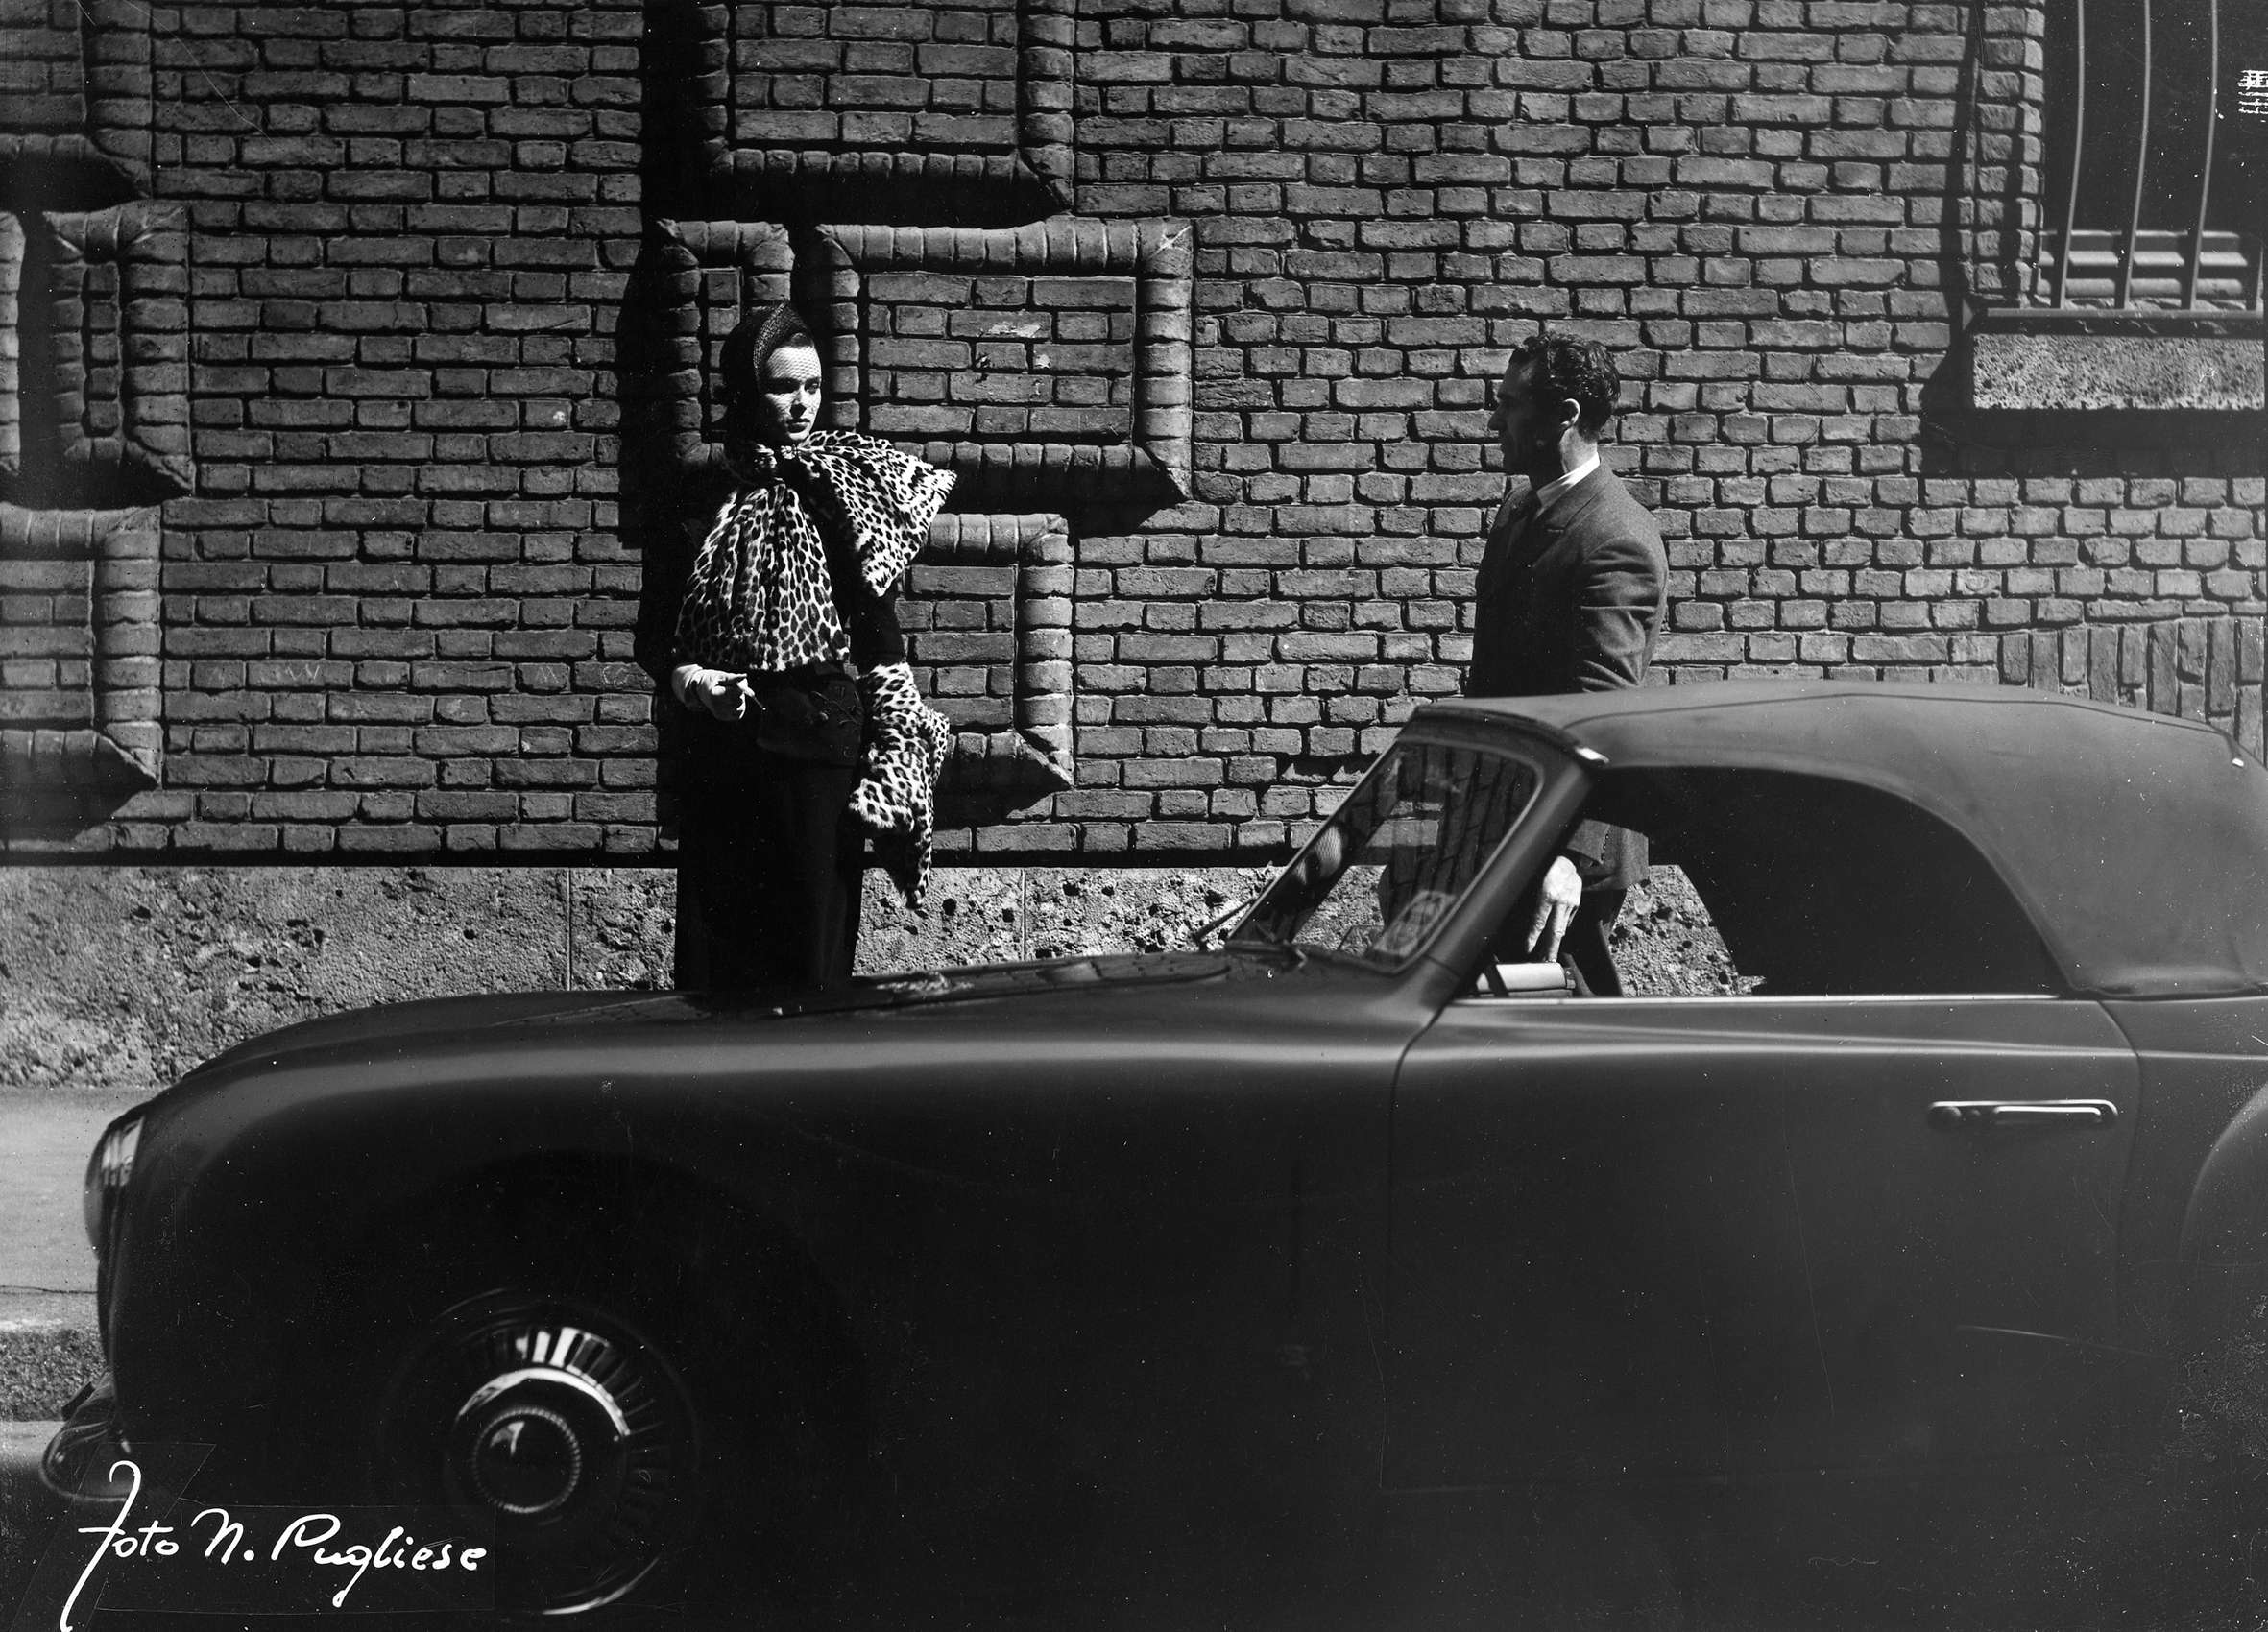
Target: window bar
[(2134, 221), (2205, 181), (2078, 144)]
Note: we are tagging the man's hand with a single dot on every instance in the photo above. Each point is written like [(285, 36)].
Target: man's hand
[(1554, 905), (725, 695)]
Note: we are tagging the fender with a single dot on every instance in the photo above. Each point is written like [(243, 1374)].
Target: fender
[(2223, 1283)]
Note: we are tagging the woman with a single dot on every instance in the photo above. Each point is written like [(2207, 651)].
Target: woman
[(803, 729)]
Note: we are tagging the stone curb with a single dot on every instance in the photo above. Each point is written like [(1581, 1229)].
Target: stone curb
[(44, 1361)]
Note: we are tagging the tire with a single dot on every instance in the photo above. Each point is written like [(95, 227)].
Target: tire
[(643, 1408), (562, 1418)]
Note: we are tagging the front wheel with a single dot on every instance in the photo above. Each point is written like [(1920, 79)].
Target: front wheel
[(629, 1392), (565, 1421)]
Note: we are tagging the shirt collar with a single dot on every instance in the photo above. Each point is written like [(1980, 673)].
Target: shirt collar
[(1553, 488)]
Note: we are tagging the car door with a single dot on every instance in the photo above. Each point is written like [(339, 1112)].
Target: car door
[(1771, 1229), (1640, 1236)]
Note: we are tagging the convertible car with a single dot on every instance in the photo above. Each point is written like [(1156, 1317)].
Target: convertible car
[(1354, 1271)]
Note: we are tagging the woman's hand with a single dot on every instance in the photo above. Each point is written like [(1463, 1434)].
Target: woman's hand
[(724, 694)]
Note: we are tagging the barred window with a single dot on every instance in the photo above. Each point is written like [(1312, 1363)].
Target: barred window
[(2154, 186)]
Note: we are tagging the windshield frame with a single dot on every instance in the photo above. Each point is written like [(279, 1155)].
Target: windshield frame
[(1535, 756)]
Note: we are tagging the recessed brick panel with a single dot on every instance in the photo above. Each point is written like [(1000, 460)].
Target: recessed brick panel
[(873, 74), (987, 615), (969, 356), (868, 110), (79, 639), (1000, 352), (42, 77), (119, 345), (75, 99)]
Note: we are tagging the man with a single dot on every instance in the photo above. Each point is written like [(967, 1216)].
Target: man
[(1570, 593)]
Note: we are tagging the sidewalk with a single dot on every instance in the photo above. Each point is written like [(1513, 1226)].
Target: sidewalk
[(48, 1345)]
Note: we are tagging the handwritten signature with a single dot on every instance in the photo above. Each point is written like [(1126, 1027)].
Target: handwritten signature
[(301, 1537)]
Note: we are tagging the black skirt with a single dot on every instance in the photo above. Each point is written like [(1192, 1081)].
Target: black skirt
[(769, 862)]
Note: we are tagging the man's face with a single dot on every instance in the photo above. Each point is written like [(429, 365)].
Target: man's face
[(1527, 430)]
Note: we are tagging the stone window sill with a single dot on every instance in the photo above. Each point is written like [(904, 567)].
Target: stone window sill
[(2030, 359)]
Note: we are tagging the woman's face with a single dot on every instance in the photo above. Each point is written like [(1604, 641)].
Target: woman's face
[(787, 395)]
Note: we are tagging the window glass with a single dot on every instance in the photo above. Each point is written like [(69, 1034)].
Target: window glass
[(1396, 856), (1813, 887)]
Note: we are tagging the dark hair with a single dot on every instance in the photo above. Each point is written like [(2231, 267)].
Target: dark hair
[(754, 338), (1567, 368)]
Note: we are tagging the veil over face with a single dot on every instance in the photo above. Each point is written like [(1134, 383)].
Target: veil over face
[(771, 342)]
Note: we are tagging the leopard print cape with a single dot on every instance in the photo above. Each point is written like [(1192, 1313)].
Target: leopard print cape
[(907, 742), (759, 598)]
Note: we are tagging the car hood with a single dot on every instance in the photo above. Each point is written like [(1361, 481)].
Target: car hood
[(441, 1023)]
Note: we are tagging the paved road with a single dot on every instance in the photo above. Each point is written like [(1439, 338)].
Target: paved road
[(43, 1250), (47, 1321)]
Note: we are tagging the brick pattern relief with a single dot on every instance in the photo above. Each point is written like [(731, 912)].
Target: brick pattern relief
[(987, 615), (398, 605), (1045, 364), (76, 100), (94, 424), (1048, 364), (94, 355), (868, 110), (11, 350), (699, 278), (119, 347), (78, 658), (987, 604), (1020, 392), (2000, 152)]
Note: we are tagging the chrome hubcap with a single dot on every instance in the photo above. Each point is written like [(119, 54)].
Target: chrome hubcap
[(525, 1460), (574, 1433)]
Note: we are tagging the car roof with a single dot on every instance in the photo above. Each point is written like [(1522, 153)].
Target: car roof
[(2137, 842)]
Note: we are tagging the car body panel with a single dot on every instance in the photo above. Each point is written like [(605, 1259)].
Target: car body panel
[(1709, 1236), (1047, 1171), (2192, 1251)]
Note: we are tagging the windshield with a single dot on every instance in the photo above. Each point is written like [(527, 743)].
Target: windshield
[(1402, 848)]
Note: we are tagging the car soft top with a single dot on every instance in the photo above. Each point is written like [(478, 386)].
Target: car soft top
[(2137, 842)]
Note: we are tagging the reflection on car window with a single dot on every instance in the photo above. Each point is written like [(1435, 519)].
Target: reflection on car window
[(1397, 854), (1810, 887)]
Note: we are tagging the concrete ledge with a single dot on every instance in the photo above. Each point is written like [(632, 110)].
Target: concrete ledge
[(2130, 371), (124, 977)]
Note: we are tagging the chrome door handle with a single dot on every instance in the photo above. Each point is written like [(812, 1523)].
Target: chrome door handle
[(1975, 1116)]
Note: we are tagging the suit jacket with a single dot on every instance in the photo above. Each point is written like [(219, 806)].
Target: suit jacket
[(1568, 599)]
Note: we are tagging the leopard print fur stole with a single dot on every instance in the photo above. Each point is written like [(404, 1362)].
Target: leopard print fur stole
[(907, 742), (759, 598)]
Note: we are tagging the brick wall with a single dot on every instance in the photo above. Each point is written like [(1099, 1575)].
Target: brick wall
[(347, 354)]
